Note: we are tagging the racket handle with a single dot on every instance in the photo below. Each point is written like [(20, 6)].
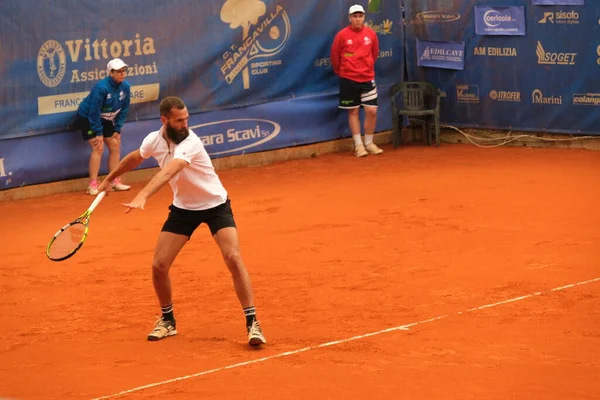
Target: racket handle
[(97, 200)]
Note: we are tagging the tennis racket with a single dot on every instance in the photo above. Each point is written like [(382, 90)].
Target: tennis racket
[(69, 239)]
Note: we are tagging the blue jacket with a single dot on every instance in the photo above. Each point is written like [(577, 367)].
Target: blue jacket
[(107, 100)]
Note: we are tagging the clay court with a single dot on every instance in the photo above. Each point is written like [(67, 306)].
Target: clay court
[(424, 273)]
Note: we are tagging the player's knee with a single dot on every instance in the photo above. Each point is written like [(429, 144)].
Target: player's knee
[(112, 145), (160, 267), (98, 149), (233, 259)]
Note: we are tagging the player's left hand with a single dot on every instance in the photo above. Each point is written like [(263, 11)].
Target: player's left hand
[(138, 202)]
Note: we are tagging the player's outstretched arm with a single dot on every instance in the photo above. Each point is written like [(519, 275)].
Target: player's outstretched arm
[(129, 162), (159, 180)]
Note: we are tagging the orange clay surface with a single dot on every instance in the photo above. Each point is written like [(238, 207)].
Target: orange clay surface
[(338, 248)]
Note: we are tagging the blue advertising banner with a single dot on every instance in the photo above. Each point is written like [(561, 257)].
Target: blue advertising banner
[(546, 80), (448, 55), (559, 2), (255, 74), (509, 21), (215, 54), (287, 123)]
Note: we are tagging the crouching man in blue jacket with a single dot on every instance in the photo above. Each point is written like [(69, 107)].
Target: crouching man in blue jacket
[(101, 116)]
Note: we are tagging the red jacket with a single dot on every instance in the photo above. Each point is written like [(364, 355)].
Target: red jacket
[(353, 54)]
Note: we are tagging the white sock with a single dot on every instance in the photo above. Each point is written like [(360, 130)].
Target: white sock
[(357, 140), (368, 139)]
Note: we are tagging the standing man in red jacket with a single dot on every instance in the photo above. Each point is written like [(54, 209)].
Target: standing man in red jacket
[(353, 55)]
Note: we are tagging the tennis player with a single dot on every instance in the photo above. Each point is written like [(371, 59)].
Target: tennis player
[(353, 55), (199, 197)]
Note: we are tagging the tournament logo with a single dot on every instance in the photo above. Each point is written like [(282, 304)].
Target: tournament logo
[(51, 63), (263, 36), (235, 135)]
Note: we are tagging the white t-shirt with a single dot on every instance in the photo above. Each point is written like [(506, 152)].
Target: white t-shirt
[(195, 187)]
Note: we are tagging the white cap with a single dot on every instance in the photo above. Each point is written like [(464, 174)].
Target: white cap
[(357, 8), (115, 64)]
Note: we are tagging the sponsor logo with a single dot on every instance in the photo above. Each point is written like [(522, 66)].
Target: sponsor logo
[(598, 54), (367, 40), (322, 62), (264, 35), (545, 57), (441, 54), (234, 135), (494, 18), (495, 51), (467, 93), (326, 62), (384, 28), (560, 17), (51, 63), (547, 18), (539, 98), (386, 53), (586, 99), (52, 58), (70, 101), (503, 95), (437, 16)]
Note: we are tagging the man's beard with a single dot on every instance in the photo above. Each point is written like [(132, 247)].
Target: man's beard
[(177, 136)]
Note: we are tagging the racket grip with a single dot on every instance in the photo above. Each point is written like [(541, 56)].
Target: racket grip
[(97, 200)]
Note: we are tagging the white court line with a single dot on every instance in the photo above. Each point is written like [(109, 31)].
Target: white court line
[(289, 353)]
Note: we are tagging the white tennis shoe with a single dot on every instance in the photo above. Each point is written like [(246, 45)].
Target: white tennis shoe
[(255, 335), (92, 190), (162, 329), (119, 186)]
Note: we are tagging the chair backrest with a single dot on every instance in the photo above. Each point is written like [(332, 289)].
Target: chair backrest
[(417, 96)]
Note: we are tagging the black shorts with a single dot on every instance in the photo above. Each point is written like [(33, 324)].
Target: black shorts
[(185, 222), (83, 124), (355, 94)]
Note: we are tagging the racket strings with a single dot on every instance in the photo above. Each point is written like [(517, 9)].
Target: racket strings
[(67, 241)]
